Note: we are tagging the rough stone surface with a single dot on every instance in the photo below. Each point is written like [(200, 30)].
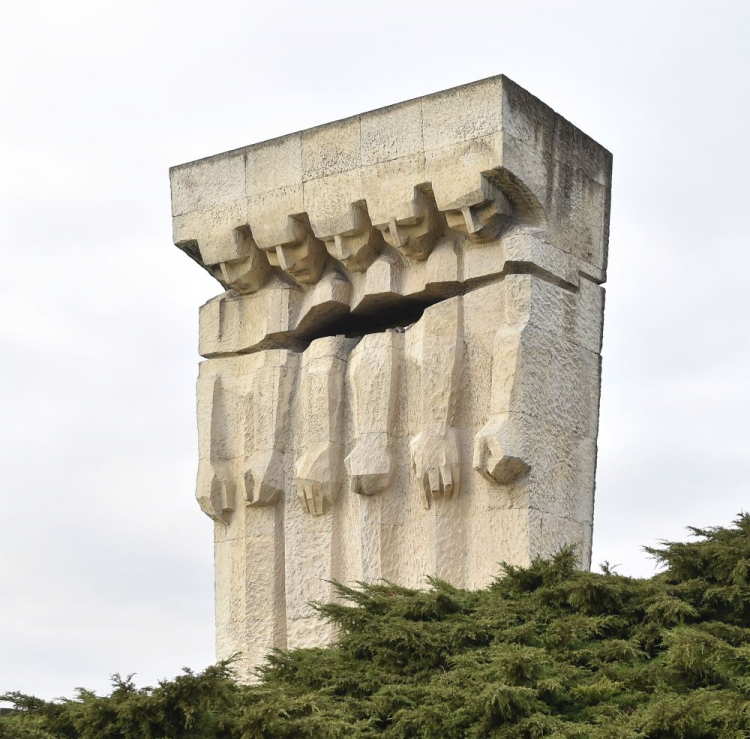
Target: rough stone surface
[(402, 373)]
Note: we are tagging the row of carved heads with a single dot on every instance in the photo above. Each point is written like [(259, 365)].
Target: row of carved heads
[(222, 241)]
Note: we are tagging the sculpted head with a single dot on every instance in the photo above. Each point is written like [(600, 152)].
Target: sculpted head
[(303, 260), (245, 275), (357, 246), (482, 222), (248, 273), (356, 251), (414, 235)]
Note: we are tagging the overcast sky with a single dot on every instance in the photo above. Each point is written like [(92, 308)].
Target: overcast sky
[(105, 558)]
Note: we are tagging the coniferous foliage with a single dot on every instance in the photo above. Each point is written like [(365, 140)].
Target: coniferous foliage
[(545, 651)]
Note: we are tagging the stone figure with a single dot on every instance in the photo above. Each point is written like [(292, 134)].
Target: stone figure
[(402, 370)]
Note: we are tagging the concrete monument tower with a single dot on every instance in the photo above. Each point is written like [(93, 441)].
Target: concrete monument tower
[(403, 367)]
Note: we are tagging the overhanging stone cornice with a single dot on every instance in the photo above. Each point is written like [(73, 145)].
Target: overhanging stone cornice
[(474, 167)]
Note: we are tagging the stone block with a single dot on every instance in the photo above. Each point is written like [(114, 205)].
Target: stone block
[(391, 133), (206, 184), (274, 165), (330, 149), (462, 114)]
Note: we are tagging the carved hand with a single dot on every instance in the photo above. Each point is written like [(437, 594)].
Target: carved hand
[(434, 454), (264, 477), (370, 464), (316, 470), (498, 452), (215, 490)]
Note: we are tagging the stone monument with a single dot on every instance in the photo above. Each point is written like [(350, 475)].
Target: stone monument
[(403, 367)]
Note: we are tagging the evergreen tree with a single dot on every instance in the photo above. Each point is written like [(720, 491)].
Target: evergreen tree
[(544, 651)]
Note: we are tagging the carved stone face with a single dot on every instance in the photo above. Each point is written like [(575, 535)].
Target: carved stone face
[(481, 223), (245, 275), (356, 246), (303, 261), (356, 251), (413, 236), (249, 273)]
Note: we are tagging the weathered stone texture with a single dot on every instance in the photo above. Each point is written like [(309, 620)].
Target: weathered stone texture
[(403, 370)]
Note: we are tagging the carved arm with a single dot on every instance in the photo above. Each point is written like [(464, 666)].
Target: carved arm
[(434, 450), (374, 368)]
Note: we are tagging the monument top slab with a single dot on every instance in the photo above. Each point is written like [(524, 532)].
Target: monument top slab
[(485, 146)]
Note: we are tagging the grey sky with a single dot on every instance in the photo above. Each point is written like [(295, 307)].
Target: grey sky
[(105, 558)]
